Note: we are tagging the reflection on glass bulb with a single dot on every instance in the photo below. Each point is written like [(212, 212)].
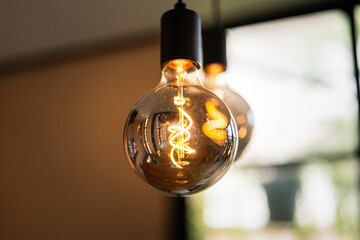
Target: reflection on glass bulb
[(237, 105), (180, 138)]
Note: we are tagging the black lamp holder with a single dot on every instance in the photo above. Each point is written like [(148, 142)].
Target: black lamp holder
[(180, 35), (214, 40)]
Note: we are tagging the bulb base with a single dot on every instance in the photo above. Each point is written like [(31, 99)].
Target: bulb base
[(180, 35), (214, 47)]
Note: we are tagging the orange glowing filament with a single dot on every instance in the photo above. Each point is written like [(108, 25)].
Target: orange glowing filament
[(180, 132), (215, 127)]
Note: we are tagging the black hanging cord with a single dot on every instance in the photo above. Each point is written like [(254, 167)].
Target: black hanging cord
[(216, 12), (180, 4)]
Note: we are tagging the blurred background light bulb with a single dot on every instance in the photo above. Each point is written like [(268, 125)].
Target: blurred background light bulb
[(240, 109), (180, 138), (215, 62)]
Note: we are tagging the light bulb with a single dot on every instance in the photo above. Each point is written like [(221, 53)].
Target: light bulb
[(238, 106), (180, 138)]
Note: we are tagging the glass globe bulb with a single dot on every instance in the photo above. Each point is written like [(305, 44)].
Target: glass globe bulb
[(237, 105), (180, 138)]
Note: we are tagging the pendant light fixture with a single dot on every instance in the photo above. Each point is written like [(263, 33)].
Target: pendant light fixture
[(180, 138), (215, 63)]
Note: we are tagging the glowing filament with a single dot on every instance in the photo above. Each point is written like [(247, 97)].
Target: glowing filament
[(180, 132), (215, 128), (178, 138)]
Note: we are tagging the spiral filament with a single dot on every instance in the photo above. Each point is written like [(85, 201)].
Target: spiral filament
[(178, 139), (180, 132), (215, 127)]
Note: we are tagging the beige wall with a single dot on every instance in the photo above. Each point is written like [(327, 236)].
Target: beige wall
[(63, 174)]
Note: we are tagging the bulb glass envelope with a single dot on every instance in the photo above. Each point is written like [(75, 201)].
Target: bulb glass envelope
[(237, 104), (180, 138)]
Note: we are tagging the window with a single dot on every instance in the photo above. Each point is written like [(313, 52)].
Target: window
[(297, 179)]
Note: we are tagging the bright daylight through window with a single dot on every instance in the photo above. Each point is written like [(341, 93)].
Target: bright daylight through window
[(297, 179)]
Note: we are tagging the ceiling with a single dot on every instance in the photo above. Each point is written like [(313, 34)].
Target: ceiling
[(39, 27)]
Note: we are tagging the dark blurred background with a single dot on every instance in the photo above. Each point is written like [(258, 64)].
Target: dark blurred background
[(71, 71)]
